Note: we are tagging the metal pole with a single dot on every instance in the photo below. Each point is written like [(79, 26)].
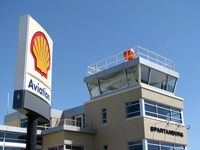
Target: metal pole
[(31, 132)]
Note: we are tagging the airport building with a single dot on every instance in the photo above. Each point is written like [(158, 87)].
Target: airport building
[(132, 106)]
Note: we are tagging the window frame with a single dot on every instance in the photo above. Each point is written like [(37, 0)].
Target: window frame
[(135, 143), (137, 102), (158, 72), (157, 114), (79, 123), (101, 81), (149, 78), (101, 90), (161, 145), (174, 83)]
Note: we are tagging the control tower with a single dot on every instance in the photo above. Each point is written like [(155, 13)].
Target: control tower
[(133, 104)]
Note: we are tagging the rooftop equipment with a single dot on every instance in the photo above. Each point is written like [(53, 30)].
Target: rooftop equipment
[(130, 54)]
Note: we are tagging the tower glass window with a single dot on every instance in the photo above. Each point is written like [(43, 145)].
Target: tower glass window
[(93, 88), (171, 83), (145, 74), (158, 79), (112, 82), (132, 75)]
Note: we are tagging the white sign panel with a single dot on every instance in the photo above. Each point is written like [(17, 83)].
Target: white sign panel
[(34, 59)]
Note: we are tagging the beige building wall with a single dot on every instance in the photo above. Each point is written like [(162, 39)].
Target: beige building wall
[(15, 123), (115, 105), (149, 122), (119, 130), (53, 139), (80, 139), (162, 98), (68, 137)]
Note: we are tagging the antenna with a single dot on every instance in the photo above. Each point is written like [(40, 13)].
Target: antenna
[(170, 49)]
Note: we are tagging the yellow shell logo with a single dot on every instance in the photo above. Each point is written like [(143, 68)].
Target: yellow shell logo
[(41, 53)]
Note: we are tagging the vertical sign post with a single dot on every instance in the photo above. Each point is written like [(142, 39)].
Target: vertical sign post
[(32, 95)]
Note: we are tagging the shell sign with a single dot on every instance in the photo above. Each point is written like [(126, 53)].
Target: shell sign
[(41, 53), (34, 59)]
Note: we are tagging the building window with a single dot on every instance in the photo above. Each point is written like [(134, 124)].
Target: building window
[(72, 147), (11, 148), (104, 115), (132, 75), (145, 74), (79, 120), (105, 147), (93, 87), (24, 123), (162, 111), (83, 120), (157, 79), (155, 145), (15, 137), (135, 145), (171, 82), (1, 136), (132, 109), (112, 82), (56, 148)]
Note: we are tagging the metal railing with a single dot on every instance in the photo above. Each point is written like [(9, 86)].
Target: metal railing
[(61, 122), (119, 58)]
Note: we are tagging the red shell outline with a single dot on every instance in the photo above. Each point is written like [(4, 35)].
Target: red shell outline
[(39, 33)]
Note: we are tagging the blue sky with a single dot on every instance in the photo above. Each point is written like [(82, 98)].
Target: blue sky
[(85, 31)]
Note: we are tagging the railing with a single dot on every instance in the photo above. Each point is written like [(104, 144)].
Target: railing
[(61, 122), (119, 58)]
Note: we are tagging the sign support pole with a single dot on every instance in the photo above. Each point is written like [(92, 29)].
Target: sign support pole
[(32, 132)]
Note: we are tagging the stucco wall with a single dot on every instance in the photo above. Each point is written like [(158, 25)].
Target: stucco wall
[(119, 130)]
